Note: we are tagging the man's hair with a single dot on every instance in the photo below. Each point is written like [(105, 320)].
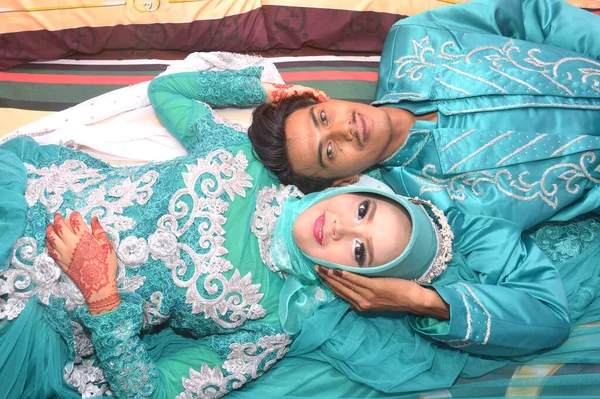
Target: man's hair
[(267, 134)]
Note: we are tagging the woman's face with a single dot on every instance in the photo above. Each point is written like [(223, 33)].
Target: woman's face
[(353, 230)]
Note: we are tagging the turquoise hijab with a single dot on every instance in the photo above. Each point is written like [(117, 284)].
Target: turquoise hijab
[(304, 293)]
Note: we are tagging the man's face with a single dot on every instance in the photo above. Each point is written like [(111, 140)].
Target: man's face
[(337, 139)]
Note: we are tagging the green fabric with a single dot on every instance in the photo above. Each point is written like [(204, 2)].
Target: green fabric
[(188, 262)]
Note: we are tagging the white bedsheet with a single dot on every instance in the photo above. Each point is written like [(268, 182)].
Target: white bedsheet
[(120, 127)]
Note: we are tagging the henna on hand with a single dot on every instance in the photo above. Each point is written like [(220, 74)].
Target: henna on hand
[(280, 92), (105, 304), (89, 266), (88, 258)]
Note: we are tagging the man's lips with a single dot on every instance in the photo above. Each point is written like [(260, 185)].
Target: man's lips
[(364, 129), (318, 228)]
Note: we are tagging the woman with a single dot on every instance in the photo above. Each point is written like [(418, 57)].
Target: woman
[(183, 254), (470, 295)]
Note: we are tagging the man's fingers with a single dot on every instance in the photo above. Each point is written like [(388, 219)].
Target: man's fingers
[(354, 282), (342, 291)]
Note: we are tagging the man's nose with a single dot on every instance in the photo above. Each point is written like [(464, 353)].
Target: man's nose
[(342, 131)]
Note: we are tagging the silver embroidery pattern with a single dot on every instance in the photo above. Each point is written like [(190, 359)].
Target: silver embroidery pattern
[(546, 188), (88, 379), (55, 180), (488, 322), (151, 309), (444, 235), (269, 204), (32, 272), (227, 302), (425, 56), (82, 375), (133, 251), (244, 363), (461, 343)]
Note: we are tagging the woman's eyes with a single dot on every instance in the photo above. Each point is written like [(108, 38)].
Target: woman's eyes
[(359, 253), (363, 209)]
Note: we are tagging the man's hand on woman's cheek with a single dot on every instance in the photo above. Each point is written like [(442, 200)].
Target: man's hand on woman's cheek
[(384, 293)]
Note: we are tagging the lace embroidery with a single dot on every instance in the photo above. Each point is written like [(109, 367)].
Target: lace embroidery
[(54, 181), (244, 363), (444, 235), (152, 315), (81, 374), (515, 187), (563, 241), (220, 119), (269, 204), (34, 274), (424, 56), (88, 379), (228, 302)]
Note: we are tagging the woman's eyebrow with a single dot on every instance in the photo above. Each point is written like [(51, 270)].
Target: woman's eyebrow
[(369, 240)]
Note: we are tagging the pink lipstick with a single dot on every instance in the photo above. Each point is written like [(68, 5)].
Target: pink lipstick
[(318, 228)]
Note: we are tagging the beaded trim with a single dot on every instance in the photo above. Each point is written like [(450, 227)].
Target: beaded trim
[(444, 235)]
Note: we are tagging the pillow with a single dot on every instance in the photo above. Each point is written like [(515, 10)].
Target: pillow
[(51, 29)]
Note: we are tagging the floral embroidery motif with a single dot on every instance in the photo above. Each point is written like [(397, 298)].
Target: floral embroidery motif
[(228, 302), (88, 379), (545, 188), (562, 242), (81, 374), (424, 56), (35, 273), (54, 181), (269, 204), (244, 363), (151, 309), (133, 251)]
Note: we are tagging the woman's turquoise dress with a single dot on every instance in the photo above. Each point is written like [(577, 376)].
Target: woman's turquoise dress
[(187, 260)]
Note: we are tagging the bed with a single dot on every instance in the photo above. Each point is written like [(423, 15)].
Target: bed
[(42, 89)]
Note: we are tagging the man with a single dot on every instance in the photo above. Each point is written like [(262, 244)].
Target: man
[(490, 106)]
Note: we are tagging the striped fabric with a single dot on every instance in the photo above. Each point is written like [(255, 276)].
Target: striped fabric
[(57, 85)]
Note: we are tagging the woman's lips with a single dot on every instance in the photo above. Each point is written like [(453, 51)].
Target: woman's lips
[(318, 228)]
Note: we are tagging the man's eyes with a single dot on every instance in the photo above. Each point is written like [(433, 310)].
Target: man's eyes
[(323, 117), (329, 151)]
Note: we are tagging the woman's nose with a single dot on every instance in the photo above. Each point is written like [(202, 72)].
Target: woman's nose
[(340, 229)]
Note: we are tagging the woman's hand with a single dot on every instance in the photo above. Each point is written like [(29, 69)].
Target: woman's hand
[(384, 294), (88, 258), (277, 92)]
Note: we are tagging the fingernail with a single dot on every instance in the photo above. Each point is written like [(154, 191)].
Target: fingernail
[(337, 272), (321, 269)]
